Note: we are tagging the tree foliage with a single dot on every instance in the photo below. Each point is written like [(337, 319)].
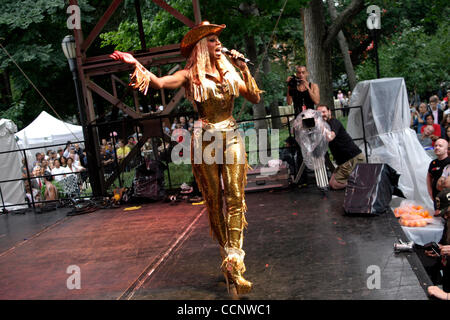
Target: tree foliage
[(413, 44), (420, 58), (32, 31)]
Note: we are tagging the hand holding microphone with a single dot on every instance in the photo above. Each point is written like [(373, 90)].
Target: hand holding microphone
[(236, 55)]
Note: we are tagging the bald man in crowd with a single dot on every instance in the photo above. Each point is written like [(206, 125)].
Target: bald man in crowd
[(436, 168)]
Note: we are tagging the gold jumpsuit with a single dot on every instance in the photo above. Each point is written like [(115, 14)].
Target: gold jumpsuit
[(230, 168), (214, 103)]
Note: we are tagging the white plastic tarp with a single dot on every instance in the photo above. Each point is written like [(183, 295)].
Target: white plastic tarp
[(387, 119), (10, 167), (46, 130)]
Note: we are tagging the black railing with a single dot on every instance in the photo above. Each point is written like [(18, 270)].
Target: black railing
[(139, 130)]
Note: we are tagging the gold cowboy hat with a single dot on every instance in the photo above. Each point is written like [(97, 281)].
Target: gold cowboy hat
[(197, 33)]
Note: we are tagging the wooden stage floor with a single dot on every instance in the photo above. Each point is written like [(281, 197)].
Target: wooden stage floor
[(299, 245)]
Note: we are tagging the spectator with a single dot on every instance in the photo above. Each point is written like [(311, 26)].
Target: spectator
[(51, 193), (45, 166), (73, 155), (445, 124), (78, 150), (38, 159), (24, 169), (183, 123), (73, 167), (341, 97), (36, 182), (83, 159), (107, 161), (131, 142), (53, 155), (122, 151), (191, 125), (442, 200), (438, 114), (425, 137), (109, 148), (345, 152), (47, 155), (346, 104), (32, 192), (60, 153), (63, 161), (436, 168), (429, 120), (67, 149), (447, 134), (418, 118), (147, 148), (446, 102), (174, 124), (444, 181), (58, 172)]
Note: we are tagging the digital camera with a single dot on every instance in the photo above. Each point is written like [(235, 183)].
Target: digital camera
[(294, 82)]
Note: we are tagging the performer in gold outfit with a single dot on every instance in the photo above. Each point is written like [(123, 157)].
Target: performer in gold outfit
[(212, 83)]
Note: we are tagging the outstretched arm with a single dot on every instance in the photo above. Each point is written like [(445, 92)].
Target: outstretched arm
[(142, 78)]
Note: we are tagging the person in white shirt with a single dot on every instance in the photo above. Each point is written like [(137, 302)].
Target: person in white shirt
[(435, 109), (58, 170), (73, 167)]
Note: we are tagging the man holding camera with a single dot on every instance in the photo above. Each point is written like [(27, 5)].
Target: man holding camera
[(304, 94)]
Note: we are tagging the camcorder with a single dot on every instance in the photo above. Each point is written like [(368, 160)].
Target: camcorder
[(294, 82)]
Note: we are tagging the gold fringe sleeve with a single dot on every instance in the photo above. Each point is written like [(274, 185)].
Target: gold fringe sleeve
[(250, 82), (140, 79)]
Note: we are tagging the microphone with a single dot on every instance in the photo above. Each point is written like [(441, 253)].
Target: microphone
[(228, 53)]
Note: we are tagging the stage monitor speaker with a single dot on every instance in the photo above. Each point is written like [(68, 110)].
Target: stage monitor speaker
[(370, 188)]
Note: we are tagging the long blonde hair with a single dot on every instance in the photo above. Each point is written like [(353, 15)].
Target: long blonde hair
[(198, 88)]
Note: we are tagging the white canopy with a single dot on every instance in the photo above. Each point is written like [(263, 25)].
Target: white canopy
[(10, 167), (387, 119), (46, 130)]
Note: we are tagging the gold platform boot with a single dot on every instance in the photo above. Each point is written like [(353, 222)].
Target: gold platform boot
[(233, 268)]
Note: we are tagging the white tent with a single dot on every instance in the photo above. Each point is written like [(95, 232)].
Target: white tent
[(387, 119), (46, 130), (10, 167)]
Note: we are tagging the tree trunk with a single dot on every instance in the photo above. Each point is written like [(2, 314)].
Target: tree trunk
[(318, 58), (344, 49), (5, 89), (318, 42)]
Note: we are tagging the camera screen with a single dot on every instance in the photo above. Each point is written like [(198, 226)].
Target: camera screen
[(308, 123)]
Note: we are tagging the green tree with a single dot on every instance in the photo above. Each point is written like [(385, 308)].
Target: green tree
[(421, 59), (32, 31)]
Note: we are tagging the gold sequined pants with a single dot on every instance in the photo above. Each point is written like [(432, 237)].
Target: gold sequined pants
[(231, 168)]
